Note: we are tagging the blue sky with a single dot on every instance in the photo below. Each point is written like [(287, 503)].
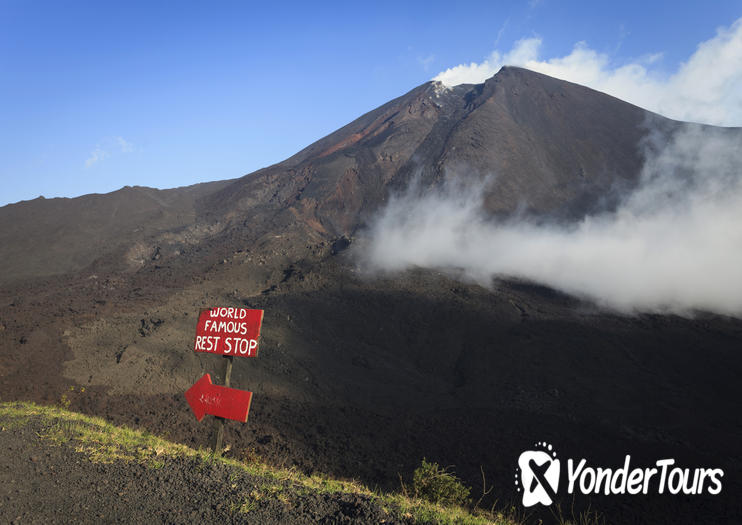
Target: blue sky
[(98, 95)]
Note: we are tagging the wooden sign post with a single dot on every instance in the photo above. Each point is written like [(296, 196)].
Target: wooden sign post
[(228, 332), (219, 420)]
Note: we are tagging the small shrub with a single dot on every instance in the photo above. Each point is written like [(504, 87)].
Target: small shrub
[(437, 485), (64, 401)]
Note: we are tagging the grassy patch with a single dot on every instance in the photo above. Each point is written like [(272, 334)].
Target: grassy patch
[(437, 485)]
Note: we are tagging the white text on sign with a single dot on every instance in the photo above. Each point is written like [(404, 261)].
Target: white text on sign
[(226, 345), (229, 331)]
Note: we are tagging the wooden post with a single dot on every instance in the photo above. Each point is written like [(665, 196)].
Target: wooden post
[(219, 420)]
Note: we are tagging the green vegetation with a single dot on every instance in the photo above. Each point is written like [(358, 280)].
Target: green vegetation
[(438, 495), (438, 485), (586, 517)]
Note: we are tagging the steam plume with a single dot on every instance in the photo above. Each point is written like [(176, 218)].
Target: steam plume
[(673, 245)]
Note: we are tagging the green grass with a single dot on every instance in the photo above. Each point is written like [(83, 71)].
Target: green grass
[(104, 442)]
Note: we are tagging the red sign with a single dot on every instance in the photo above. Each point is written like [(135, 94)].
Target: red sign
[(229, 331), (220, 401)]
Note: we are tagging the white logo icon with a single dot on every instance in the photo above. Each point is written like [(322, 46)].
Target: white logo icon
[(538, 472), (538, 475)]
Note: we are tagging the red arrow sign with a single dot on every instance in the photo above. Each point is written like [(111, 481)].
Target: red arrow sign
[(220, 401)]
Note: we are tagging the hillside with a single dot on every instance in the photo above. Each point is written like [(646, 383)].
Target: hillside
[(62, 467), (45, 237)]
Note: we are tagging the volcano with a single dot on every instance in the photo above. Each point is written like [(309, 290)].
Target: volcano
[(363, 377)]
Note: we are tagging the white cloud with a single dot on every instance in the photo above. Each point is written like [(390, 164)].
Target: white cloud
[(126, 147), (96, 156), (103, 151), (705, 88), (524, 50), (673, 245)]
